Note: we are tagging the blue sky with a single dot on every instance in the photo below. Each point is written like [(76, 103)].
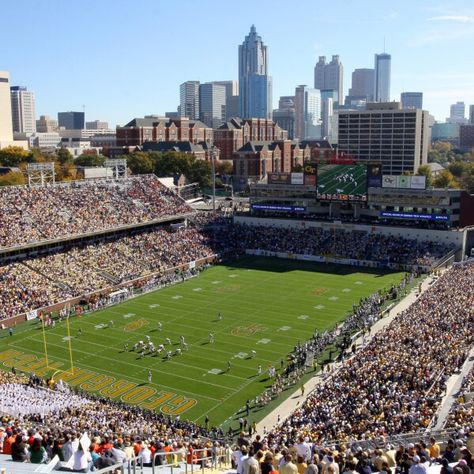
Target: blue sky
[(123, 58)]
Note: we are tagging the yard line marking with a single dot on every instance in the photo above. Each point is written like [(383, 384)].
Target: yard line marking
[(141, 367)]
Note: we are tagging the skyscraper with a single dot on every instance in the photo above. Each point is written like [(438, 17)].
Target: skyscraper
[(457, 113), (212, 100), (284, 116), (71, 120), (255, 85), (471, 114), (307, 112), (189, 100), (23, 110), (231, 97), (362, 84), (328, 97), (6, 130), (382, 77), (46, 124), (411, 100), (329, 76)]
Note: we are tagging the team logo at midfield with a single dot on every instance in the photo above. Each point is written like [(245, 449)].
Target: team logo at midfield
[(134, 325), (248, 330)]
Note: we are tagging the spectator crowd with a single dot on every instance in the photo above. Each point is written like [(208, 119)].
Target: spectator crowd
[(357, 245), (396, 382), (55, 277), (34, 214)]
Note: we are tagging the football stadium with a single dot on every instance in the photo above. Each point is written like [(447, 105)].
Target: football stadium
[(238, 285), (136, 325)]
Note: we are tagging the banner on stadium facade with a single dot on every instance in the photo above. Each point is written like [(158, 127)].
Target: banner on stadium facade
[(389, 181), (403, 181), (297, 178), (309, 174), (418, 182), (415, 215), (32, 314), (277, 207)]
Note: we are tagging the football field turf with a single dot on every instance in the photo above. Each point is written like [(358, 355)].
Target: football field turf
[(267, 306)]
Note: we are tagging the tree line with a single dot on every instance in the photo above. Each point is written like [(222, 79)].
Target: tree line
[(68, 168)]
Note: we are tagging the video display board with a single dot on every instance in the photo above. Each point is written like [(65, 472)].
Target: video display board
[(342, 182)]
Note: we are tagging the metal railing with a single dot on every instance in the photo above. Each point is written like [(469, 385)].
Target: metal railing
[(196, 460)]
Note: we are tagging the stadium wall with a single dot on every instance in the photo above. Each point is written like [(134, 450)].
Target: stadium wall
[(452, 237), (340, 261)]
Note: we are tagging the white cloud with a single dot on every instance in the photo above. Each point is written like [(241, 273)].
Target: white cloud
[(444, 34), (457, 18)]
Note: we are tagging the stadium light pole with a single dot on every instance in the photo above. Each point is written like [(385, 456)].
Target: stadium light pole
[(213, 159)]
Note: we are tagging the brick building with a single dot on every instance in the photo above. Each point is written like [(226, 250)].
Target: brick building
[(234, 134), (257, 158), (163, 129)]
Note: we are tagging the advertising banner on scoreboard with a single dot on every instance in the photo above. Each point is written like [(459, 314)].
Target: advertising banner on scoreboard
[(297, 178), (279, 178), (389, 181), (418, 182), (403, 181)]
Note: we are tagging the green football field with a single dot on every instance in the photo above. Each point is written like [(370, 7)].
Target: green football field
[(267, 306), (345, 179)]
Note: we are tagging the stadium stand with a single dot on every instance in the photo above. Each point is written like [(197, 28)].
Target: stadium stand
[(339, 243), (46, 280), (38, 214), (395, 384)]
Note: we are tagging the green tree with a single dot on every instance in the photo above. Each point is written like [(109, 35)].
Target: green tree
[(89, 160), (64, 156), (297, 169), (458, 168), (445, 180), (425, 170), (172, 162), (139, 162), (224, 167), (13, 178), (13, 156), (201, 172)]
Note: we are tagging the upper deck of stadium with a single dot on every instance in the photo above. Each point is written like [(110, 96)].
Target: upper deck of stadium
[(31, 216)]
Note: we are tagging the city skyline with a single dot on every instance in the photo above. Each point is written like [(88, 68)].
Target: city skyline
[(428, 45)]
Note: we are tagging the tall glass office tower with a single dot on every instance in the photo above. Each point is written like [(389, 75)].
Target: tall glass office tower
[(255, 85)]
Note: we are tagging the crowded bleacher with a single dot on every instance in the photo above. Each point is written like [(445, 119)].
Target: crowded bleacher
[(45, 280), (339, 243), (394, 384), (35, 214)]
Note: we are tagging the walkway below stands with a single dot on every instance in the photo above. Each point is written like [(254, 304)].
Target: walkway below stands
[(453, 385), (293, 401)]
